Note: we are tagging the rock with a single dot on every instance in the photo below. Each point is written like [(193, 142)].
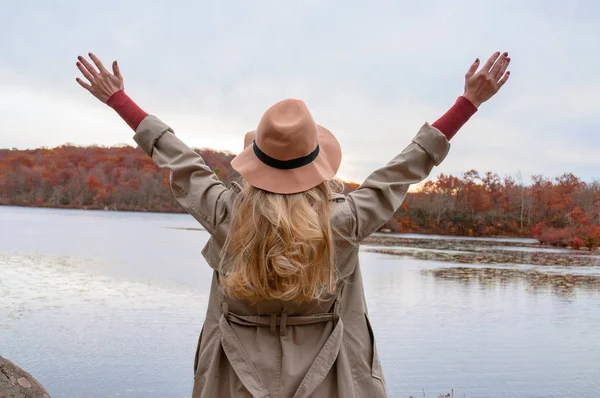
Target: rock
[(17, 383), (23, 382)]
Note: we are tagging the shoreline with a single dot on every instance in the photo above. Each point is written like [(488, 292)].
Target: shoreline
[(465, 251)]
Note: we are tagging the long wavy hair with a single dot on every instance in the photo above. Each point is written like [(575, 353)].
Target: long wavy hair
[(279, 246)]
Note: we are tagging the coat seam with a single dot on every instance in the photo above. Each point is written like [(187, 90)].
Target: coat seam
[(156, 138), (244, 354), (199, 214), (433, 159), (318, 361), (278, 368)]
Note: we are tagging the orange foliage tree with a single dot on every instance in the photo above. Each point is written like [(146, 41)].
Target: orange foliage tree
[(115, 178)]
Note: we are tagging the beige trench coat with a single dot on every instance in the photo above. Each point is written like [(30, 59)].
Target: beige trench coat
[(282, 349)]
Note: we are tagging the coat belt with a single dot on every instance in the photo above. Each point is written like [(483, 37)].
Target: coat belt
[(281, 319)]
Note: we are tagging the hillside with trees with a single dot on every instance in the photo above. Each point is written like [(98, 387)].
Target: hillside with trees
[(563, 210), (113, 178)]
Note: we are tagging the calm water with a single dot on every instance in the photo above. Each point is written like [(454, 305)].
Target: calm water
[(107, 304)]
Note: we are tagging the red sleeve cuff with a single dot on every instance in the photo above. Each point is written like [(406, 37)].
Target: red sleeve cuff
[(456, 117), (127, 109)]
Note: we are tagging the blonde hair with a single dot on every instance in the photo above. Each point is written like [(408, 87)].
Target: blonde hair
[(279, 246)]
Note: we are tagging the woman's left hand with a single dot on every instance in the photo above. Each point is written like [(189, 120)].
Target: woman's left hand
[(483, 85), (102, 83)]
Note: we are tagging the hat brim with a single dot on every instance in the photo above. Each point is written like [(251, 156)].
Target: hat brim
[(288, 181)]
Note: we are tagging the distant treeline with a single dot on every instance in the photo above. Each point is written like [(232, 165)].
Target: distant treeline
[(113, 178), (563, 210)]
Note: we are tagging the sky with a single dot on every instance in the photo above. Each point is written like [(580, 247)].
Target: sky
[(371, 72)]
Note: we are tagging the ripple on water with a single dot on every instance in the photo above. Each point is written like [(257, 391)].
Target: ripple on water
[(35, 281)]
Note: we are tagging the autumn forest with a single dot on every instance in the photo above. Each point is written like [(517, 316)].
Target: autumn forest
[(562, 210)]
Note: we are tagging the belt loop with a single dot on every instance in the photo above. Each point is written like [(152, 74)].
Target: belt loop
[(336, 312), (282, 325), (273, 326), (225, 308)]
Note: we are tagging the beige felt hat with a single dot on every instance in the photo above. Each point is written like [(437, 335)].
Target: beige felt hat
[(288, 152)]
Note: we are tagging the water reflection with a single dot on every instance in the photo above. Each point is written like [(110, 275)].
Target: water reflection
[(536, 280)]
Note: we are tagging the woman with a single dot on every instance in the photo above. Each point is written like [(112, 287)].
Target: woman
[(287, 315)]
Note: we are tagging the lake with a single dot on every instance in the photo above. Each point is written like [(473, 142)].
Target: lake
[(110, 304)]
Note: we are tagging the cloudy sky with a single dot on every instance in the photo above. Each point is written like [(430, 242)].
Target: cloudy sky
[(372, 72)]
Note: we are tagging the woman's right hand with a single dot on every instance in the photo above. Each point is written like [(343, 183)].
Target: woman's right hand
[(103, 84), (483, 85)]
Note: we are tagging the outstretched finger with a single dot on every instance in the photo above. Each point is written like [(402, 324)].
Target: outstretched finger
[(500, 63), (502, 68), (490, 62), (117, 70), (83, 84), (98, 63), (88, 66), (503, 80), (85, 72), (473, 68)]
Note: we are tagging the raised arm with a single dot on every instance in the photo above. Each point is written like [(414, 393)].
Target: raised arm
[(193, 183), (381, 194)]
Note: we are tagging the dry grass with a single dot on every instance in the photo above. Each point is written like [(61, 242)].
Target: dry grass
[(441, 395)]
